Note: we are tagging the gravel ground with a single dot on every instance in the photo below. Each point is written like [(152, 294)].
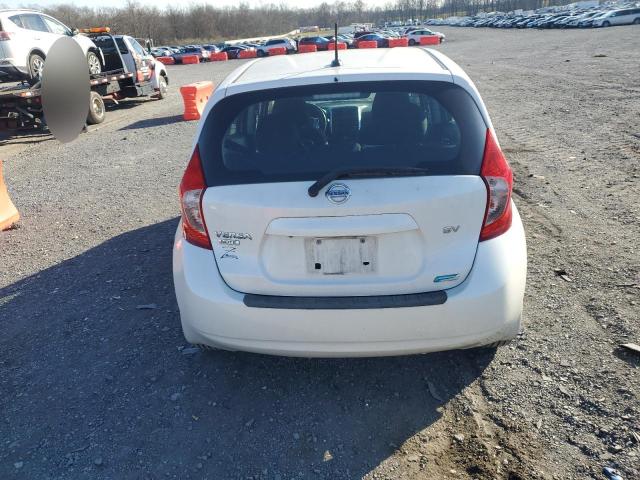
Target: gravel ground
[(96, 380)]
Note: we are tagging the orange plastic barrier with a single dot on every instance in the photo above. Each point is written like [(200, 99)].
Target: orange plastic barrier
[(190, 59), (247, 54), (430, 40), (332, 46), (307, 48), (219, 57), (8, 212), (195, 96), (368, 44), (398, 42), (277, 51), (167, 60)]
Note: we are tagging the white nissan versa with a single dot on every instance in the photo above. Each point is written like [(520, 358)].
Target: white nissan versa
[(362, 209)]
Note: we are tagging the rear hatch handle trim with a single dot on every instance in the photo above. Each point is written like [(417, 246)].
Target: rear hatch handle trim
[(349, 225), (426, 299)]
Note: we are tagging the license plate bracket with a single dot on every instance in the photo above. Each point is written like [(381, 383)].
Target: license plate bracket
[(341, 255)]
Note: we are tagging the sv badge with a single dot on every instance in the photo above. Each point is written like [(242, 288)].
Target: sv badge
[(450, 229)]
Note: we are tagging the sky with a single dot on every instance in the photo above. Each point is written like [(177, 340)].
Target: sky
[(162, 3)]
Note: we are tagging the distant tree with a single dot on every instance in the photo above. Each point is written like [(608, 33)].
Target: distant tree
[(179, 22)]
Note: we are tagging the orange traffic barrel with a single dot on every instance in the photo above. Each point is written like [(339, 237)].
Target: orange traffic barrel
[(429, 40), (247, 54), (190, 59), (332, 46), (398, 42), (195, 97), (8, 212), (277, 51), (368, 44), (219, 57), (307, 48)]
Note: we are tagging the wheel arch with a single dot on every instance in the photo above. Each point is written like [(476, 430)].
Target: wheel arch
[(35, 50), (98, 52)]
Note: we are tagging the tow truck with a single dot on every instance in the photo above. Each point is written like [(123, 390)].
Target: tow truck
[(128, 71)]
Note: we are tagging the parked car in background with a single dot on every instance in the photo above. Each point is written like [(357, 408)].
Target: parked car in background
[(585, 20), (202, 54), (232, 51), (349, 41), (211, 48), (161, 52), (285, 43), (321, 43), (396, 235), (576, 16), (252, 45), (362, 33), (415, 35), (626, 16), (382, 42), (171, 50), (25, 39)]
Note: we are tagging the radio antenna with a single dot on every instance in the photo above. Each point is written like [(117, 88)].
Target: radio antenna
[(336, 60)]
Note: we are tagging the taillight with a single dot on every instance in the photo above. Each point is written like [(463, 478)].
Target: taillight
[(5, 36), (192, 188), (498, 177)]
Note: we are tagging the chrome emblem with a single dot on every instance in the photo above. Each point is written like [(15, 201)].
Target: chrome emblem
[(338, 193)]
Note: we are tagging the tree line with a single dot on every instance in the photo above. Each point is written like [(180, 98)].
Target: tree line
[(205, 22)]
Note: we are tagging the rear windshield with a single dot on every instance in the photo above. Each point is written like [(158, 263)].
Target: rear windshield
[(302, 133)]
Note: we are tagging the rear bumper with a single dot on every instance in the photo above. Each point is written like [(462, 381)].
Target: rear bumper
[(484, 309)]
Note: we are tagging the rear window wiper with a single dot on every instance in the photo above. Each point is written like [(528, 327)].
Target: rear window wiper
[(363, 172)]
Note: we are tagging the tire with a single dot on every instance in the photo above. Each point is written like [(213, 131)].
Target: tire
[(162, 91), (412, 42), (606, 24), (262, 53), (97, 111), (94, 63), (36, 65), (636, 21)]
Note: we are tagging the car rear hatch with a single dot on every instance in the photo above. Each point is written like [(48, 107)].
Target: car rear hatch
[(399, 207)]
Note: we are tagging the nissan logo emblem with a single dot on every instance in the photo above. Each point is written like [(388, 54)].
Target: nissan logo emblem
[(338, 193)]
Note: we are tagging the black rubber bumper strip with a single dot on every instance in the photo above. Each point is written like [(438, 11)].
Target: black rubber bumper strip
[(346, 303)]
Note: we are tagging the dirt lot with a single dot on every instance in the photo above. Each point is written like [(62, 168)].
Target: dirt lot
[(94, 381)]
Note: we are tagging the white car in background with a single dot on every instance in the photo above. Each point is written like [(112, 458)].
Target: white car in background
[(626, 16), (25, 39), (415, 35), (285, 43), (355, 210)]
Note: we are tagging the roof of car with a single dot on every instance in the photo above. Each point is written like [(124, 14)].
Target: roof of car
[(405, 61), (369, 65), (7, 11)]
